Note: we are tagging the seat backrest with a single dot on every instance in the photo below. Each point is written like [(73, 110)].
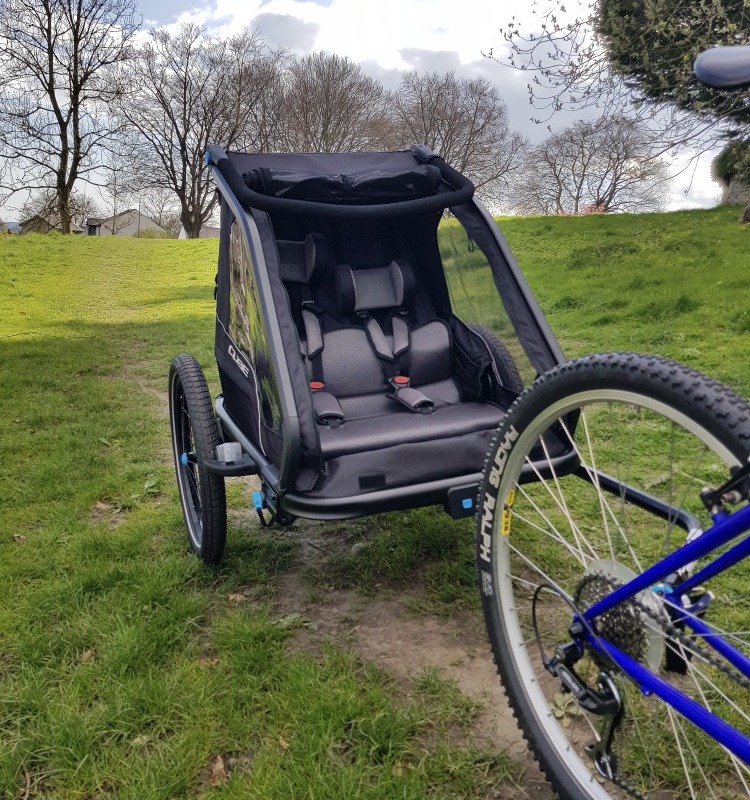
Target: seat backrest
[(356, 327)]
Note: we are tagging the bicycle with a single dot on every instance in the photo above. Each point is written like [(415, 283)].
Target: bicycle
[(612, 552)]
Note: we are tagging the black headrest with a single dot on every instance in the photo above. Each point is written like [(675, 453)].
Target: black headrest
[(299, 261), (374, 288)]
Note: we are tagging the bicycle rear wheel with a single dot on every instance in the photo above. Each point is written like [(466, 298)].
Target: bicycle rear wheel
[(547, 520)]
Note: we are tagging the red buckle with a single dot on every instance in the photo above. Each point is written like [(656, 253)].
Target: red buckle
[(317, 386), (400, 381)]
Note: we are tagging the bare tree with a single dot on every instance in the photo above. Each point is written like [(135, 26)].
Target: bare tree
[(159, 204), (189, 91), (117, 192), (44, 204), (53, 56), (465, 121), (605, 165), (330, 105)]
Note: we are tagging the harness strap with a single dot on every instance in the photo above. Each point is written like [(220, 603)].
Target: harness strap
[(401, 341), (327, 408), (314, 338), (392, 361)]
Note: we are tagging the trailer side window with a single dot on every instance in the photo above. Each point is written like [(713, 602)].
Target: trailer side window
[(247, 329), (472, 291), (243, 295)]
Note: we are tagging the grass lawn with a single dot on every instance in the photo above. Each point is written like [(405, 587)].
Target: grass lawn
[(127, 670)]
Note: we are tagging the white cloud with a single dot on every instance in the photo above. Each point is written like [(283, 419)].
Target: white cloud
[(694, 187), (390, 36), (378, 31)]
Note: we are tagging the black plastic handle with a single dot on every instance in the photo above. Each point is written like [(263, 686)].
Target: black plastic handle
[(462, 192), (724, 67)]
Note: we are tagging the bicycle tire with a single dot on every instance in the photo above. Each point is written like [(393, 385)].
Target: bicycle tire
[(195, 436), (523, 541)]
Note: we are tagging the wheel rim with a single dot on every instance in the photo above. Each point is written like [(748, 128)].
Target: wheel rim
[(556, 527), (186, 467)]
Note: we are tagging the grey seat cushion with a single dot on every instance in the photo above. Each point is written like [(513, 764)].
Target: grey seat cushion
[(372, 419), (351, 368), (400, 425)]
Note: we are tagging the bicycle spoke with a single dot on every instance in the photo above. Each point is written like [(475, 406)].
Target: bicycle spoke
[(563, 529), (594, 478)]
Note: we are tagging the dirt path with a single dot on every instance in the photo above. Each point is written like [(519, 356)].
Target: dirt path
[(387, 630)]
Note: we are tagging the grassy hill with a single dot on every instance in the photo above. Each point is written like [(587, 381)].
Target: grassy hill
[(129, 671), (676, 284)]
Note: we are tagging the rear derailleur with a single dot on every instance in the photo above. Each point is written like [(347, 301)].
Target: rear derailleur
[(603, 701)]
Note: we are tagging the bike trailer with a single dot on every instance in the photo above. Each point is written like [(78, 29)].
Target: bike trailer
[(372, 329)]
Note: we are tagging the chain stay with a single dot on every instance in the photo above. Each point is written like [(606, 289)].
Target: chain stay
[(561, 667)]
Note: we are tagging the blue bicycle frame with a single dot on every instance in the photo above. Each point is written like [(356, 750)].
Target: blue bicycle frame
[(726, 528)]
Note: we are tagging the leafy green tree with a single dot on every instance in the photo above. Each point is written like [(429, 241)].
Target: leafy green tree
[(634, 57), (733, 163), (652, 44)]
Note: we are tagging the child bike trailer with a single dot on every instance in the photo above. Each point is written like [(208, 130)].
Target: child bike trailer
[(372, 329)]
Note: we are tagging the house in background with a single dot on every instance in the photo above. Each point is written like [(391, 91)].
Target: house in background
[(126, 223), (206, 232), (37, 224)]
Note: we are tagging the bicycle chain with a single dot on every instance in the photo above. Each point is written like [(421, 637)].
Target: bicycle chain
[(689, 644), (626, 787)]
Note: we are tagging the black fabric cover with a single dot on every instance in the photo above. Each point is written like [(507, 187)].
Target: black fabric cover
[(375, 185), (402, 426), (318, 255), (299, 381), (300, 251), (241, 389), (402, 464)]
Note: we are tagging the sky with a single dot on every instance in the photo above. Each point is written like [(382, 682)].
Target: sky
[(389, 36)]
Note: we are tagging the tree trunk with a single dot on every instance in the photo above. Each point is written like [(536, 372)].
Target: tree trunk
[(190, 224), (63, 206)]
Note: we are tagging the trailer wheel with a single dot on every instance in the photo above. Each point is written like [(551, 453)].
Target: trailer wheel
[(506, 366), (195, 436)]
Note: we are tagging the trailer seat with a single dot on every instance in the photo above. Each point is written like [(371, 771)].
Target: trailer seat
[(381, 375)]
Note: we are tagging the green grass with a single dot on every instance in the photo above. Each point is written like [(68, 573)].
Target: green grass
[(126, 669), (674, 284)]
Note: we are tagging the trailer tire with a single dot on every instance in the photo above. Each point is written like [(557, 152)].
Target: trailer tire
[(195, 436)]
